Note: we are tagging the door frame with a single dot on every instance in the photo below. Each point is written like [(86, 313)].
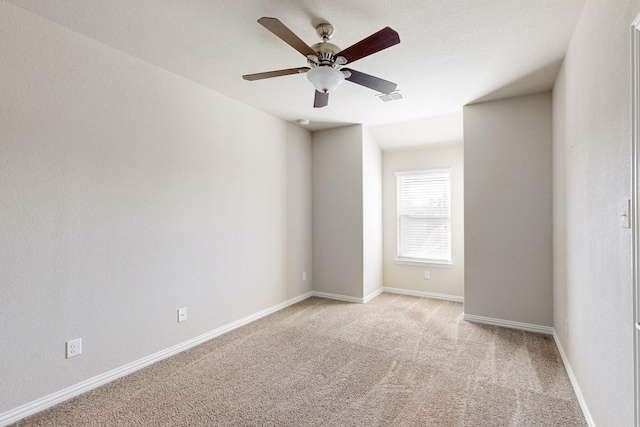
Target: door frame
[(635, 197)]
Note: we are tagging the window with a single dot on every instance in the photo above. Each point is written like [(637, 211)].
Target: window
[(424, 217)]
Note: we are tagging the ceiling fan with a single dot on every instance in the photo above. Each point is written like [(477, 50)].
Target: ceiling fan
[(326, 60)]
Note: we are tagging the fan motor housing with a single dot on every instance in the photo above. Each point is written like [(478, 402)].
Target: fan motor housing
[(326, 52), (326, 47)]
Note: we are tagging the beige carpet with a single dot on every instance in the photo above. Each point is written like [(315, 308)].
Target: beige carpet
[(395, 361)]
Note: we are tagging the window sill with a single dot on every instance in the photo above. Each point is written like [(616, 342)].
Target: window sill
[(437, 264)]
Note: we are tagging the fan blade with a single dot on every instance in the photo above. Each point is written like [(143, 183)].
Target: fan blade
[(321, 100), (278, 73), (280, 30), (372, 82), (374, 43)]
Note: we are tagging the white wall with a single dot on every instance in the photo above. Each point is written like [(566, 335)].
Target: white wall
[(508, 210), (371, 213), (338, 211), (591, 175), (127, 192), (445, 281), (347, 212)]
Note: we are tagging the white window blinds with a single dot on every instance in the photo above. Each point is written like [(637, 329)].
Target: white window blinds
[(424, 215)]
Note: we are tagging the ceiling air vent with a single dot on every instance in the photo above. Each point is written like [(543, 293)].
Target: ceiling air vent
[(393, 96)]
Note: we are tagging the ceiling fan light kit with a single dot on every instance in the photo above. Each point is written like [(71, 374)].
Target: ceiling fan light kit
[(325, 78), (326, 60)]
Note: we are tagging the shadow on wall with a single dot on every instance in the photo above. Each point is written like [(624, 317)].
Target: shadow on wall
[(540, 80)]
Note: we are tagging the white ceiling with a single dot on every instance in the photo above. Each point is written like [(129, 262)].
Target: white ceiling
[(451, 53)]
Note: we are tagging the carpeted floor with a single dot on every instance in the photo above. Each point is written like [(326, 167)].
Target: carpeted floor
[(395, 361)]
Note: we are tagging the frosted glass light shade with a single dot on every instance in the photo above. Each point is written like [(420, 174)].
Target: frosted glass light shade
[(325, 79)]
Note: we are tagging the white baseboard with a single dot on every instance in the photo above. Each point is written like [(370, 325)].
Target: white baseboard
[(508, 324), (338, 297), (378, 291), (373, 294), (20, 412), (544, 330), (423, 294), (574, 382)]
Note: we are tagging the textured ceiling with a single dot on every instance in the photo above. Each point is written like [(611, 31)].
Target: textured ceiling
[(451, 53)]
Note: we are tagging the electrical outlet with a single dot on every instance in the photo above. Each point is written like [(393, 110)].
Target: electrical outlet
[(74, 347), (182, 314), (427, 275), (304, 276)]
